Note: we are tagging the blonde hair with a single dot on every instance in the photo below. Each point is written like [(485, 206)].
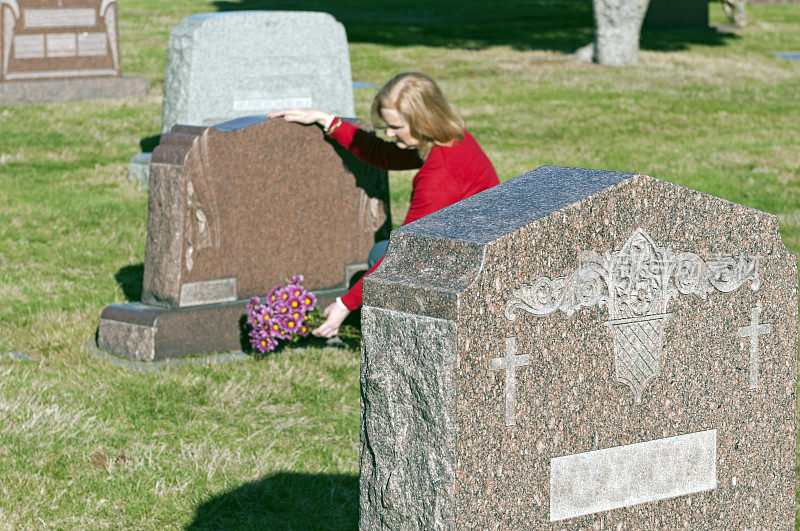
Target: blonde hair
[(432, 120)]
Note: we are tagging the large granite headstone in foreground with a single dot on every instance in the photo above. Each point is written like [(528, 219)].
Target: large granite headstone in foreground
[(581, 349), (222, 66), (55, 50), (233, 210)]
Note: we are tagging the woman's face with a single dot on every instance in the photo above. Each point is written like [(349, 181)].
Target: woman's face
[(397, 128)]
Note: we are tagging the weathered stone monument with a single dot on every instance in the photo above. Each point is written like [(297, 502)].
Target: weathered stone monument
[(581, 349), (233, 210), (222, 66), (60, 50)]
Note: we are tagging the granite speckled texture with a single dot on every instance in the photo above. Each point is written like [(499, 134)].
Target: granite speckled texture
[(630, 302), (222, 66), (233, 210), (403, 373), (56, 51)]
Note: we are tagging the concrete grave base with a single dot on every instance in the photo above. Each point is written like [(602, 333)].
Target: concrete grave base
[(224, 357), (139, 168), (145, 332), (54, 90)]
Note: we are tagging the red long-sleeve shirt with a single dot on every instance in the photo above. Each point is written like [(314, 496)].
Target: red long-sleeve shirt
[(448, 175)]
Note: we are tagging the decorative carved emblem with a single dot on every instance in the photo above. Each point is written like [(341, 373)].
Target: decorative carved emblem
[(202, 215), (753, 332), (370, 213), (635, 284)]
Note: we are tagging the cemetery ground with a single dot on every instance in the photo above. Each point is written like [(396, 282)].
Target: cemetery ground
[(85, 443)]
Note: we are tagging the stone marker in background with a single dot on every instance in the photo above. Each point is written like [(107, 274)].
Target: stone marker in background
[(676, 14), (222, 66), (52, 50), (233, 210), (584, 349)]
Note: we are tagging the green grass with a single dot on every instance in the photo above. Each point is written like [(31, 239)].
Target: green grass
[(87, 444)]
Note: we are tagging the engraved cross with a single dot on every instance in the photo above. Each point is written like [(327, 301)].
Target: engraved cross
[(510, 362), (753, 332)]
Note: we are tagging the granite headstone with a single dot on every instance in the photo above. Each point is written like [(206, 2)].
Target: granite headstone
[(59, 50), (233, 210), (221, 66), (581, 349)]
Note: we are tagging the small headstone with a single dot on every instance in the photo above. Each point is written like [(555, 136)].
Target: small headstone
[(222, 66), (139, 168), (51, 51), (586, 349), (792, 56), (676, 14), (233, 210)]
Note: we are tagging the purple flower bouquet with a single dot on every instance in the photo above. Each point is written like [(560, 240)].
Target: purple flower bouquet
[(281, 315)]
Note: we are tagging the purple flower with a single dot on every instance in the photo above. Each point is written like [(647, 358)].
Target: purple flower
[(297, 279), (283, 294), (303, 331), (282, 308), (277, 329), (290, 325), (309, 301), (261, 341), (272, 296), (260, 314), (295, 304)]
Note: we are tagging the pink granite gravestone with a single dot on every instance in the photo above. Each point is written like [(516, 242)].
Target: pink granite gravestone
[(233, 210), (581, 349), (59, 50)]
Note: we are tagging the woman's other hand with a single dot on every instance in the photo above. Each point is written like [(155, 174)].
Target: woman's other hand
[(336, 314), (302, 116)]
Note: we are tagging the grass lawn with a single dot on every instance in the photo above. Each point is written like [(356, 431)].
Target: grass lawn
[(84, 443)]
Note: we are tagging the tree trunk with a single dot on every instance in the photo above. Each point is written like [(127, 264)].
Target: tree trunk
[(736, 10), (617, 24)]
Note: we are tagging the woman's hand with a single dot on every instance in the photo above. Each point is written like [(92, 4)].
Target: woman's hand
[(302, 116), (335, 314)]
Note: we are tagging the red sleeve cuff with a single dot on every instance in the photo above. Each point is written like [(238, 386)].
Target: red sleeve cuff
[(344, 133), (355, 295), (352, 299)]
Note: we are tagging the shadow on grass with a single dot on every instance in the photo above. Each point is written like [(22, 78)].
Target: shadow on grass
[(285, 500), (560, 25), (149, 143), (130, 280)]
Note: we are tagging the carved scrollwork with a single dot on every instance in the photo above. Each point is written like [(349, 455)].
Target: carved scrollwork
[(636, 284), (638, 280)]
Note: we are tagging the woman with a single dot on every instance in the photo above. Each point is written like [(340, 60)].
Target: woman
[(428, 134)]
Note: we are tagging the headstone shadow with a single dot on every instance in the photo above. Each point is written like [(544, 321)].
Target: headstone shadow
[(286, 500), (149, 143), (130, 279)]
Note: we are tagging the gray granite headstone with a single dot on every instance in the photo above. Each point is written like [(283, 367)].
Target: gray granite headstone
[(581, 349), (222, 66)]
